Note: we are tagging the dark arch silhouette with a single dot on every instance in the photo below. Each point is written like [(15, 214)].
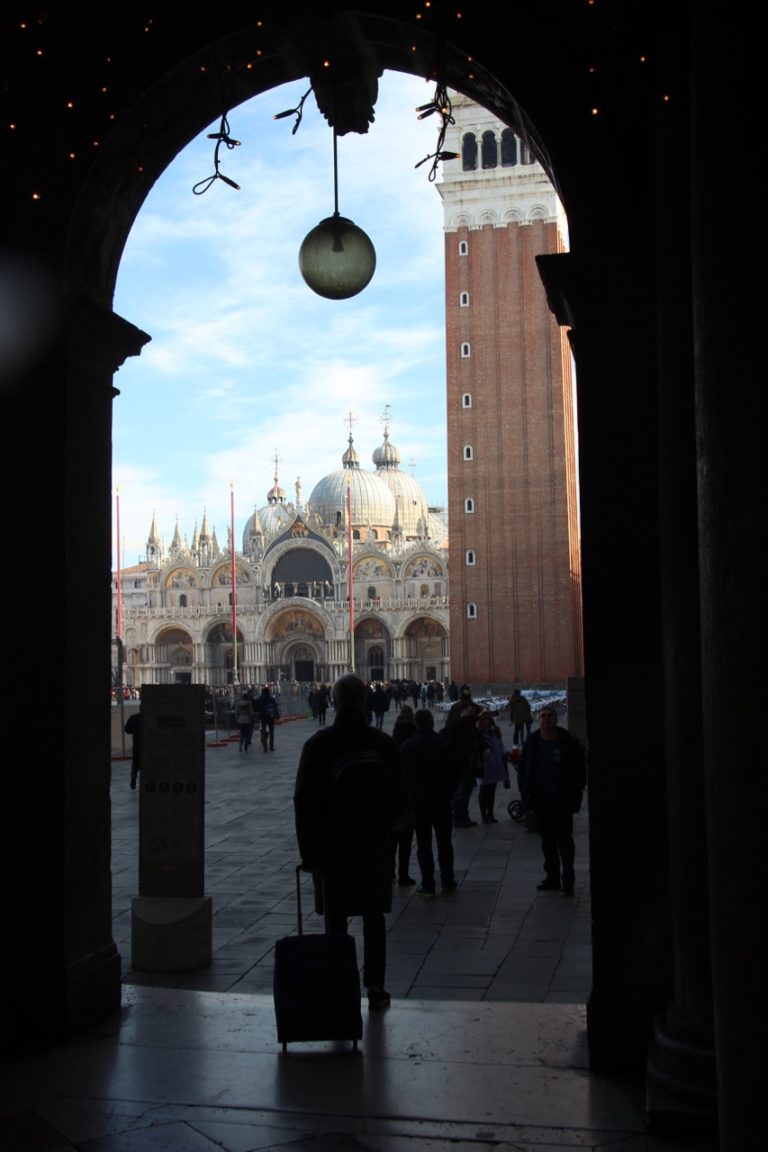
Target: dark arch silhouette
[(627, 99)]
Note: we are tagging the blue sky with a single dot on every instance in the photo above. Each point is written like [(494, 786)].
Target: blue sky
[(245, 361)]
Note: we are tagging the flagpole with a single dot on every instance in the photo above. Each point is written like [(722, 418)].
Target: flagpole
[(119, 573), (234, 587), (119, 624), (351, 581)]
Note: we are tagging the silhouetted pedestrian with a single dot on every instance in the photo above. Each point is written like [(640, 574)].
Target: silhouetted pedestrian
[(553, 774), (430, 771), (520, 717), (493, 764), (351, 846), (133, 727), (267, 712)]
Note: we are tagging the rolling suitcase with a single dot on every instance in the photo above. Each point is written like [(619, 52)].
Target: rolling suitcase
[(316, 985)]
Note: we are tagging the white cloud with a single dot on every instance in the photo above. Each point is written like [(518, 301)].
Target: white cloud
[(245, 361)]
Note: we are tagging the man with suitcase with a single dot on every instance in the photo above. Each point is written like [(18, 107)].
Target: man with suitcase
[(347, 798)]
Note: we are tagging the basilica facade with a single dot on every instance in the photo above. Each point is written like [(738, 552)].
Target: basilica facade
[(355, 577)]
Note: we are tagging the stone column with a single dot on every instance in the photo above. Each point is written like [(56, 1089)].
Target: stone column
[(681, 1093), (732, 484), (61, 968), (632, 952)]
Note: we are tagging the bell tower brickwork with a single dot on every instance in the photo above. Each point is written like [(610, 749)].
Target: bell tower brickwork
[(515, 615)]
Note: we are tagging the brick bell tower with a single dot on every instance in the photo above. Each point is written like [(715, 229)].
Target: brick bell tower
[(513, 521)]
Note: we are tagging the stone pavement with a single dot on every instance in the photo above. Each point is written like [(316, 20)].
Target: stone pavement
[(191, 1062), (496, 938)]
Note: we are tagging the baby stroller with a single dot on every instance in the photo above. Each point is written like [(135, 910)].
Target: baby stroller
[(517, 809)]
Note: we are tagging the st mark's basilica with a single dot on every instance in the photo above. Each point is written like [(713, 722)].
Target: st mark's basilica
[(295, 607)]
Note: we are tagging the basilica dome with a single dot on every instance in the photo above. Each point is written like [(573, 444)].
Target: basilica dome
[(373, 505), (413, 516), (271, 519)]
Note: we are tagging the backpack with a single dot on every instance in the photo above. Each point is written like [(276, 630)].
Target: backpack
[(361, 786), (269, 709)]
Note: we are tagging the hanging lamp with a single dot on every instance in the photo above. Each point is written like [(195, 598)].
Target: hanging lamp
[(337, 259)]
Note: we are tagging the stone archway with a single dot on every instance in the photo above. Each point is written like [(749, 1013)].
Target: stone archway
[(188, 99)]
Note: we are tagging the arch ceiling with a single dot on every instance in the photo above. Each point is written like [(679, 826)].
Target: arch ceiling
[(243, 62)]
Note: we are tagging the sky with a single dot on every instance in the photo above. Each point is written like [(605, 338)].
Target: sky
[(245, 362)]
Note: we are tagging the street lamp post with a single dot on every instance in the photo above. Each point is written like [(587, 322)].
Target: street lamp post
[(234, 588)]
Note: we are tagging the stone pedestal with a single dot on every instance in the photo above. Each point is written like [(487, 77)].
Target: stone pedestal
[(171, 933)]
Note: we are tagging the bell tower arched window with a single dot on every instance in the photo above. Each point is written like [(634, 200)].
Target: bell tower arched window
[(508, 148), (469, 152), (490, 153)]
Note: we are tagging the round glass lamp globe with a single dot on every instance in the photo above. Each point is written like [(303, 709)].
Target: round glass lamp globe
[(337, 259)]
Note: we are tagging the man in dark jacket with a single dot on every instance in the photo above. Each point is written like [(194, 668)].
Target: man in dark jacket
[(553, 776), (430, 781), (460, 728), (350, 845), (267, 712)]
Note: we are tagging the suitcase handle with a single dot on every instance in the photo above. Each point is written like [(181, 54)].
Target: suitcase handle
[(299, 870), (298, 899)]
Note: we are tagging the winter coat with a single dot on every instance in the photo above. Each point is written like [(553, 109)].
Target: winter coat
[(553, 773), (245, 710), (403, 728), (379, 701), (356, 859), (492, 758), (266, 707), (460, 731), (520, 711), (429, 767)]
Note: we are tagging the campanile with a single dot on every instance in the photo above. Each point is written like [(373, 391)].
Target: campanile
[(513, 522)]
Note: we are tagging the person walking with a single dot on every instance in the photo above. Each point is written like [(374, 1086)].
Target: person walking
[(430, 771), (520, 717), (402, 834), (244, 717), (133, 727), (553, 775), (379, 704), (267, 712), (350, 844), (322, 704), (493, 764)]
